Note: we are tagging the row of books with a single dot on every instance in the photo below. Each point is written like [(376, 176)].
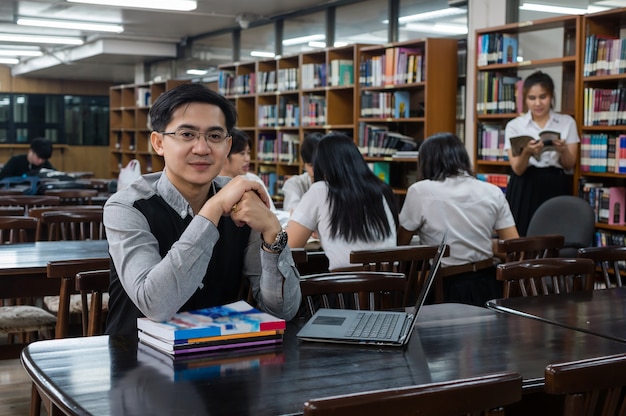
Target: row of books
[(603, 152), (313, 75), (285, 114), (235, 325), (285, 79), (278, 147), (501, 180), (230, 84), (313, 110), (604, 106), (604, 55), (496, 48), (270, 178), (377, 140), (341, 73), (386, 104), (397, 66), (608, 203), (491, 142), (608, 238), (498, 93)]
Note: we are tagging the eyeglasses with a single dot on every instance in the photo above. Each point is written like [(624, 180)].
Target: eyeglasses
[(189, 135)]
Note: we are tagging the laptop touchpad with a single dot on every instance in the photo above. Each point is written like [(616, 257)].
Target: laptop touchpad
[(329, 320)]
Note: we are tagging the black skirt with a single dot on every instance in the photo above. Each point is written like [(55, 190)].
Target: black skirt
[(535, 186), (472, 288)]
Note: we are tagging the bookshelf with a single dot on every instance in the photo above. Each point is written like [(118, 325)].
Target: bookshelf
[(602, 160), (505, 56), (407, 89), (129, 130)]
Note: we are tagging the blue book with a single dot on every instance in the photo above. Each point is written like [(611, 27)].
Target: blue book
[(402, 104), (509, 49)]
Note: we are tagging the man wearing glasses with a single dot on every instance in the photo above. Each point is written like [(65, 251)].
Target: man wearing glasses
[(186, 238)]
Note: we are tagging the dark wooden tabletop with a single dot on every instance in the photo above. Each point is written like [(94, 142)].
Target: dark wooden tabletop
[(600, 312), (110, 376)]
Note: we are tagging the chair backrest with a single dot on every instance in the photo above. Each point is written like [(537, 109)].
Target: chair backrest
[(309, 262), (526, 248), (544, 276), (610, 260), (413, 261), (353, 290), (72, 225), (73, 196), (37, 212), (451, 398), (96, 283), (66, 270), (17, 229), (595, 386), (28, 201), (569, 216)]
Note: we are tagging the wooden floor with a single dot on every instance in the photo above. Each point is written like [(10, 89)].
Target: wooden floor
[(14, 389)]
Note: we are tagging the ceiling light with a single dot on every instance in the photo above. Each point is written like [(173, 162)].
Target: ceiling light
[(303, 39), (178, 5), (560, 10), (61, 40), (323, 44), (434, 14), (68, 24), (20, 52), (437, 28), (197, 72), (10, 61), (262, 54)]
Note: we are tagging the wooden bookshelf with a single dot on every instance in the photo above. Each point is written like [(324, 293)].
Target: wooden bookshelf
[(603, 121), (129, 127), (498, 79)]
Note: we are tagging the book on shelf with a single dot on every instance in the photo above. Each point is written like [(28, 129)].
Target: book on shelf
[(231, 319), (402, 104), (547, 136), (381, 170), (508, 50), (617, 205)]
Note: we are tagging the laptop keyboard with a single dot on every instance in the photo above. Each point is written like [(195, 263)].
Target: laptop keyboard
[(373, 326)]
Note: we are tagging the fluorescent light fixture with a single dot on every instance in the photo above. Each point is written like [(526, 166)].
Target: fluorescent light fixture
[(262, 54), (314, 44), (560, 10), (68, 24), (303, 39), (444, 28), (177, 5), (197, 72), (434, 14), (10, 61), (20, 52), (60, 40)]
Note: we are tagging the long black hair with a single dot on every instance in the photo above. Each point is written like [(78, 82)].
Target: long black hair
[(442, 155), (357, 211)]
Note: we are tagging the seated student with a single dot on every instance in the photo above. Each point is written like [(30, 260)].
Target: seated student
[(296, 186), (449, 197), (186, 238), (30, 163), (348, 206), (238, 160)]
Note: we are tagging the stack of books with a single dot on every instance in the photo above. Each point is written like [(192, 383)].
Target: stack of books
[(236, 325)]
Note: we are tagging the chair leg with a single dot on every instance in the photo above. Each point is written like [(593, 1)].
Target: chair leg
[(35, 401)]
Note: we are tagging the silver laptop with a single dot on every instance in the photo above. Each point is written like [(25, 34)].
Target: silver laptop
[(370, 327)]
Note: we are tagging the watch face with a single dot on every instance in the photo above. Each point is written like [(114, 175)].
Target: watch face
[(281, 241)]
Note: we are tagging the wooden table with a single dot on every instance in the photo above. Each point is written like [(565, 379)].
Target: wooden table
[(23, 270), (111, 376), (599, 312)]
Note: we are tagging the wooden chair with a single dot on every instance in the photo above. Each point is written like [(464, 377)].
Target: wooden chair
[(93, 286), (413, 261), (37, 212), (69, 302), (484, 395), (610, 262), (72, 225), (16, 315), (28, 201), (11, 211), (73, 196), (526, 248), (353, 290), (309, 262), (595, 386), (543, 276)]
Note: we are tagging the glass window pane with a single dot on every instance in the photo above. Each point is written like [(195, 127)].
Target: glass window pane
[(304, 33), (5, 108), (419, 20), (257, 39), (363, 22)]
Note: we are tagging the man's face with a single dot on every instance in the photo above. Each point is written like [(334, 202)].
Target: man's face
[(33, 159), (195, 163)]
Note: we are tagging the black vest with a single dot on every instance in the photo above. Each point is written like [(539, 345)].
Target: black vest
[(222, 282)]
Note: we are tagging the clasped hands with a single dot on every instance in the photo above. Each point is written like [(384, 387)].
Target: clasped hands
[(536, 147)]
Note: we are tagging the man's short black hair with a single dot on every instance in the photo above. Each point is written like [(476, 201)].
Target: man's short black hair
[(42, 147)]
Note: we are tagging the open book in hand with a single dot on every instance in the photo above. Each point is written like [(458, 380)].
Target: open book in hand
[(547, 136)]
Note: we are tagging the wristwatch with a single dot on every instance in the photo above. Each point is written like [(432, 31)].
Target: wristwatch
[(280, 242)]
